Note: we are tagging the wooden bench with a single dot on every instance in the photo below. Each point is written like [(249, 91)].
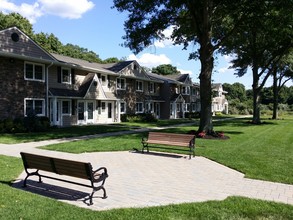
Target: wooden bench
[(60, 166), (169, 139)]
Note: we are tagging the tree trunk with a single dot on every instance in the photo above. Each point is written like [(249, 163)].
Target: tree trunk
[(256, 96), (276, 101), (206, 53), (207, 64)]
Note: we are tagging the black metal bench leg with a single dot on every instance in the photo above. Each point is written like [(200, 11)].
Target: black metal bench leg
[(32, 174)]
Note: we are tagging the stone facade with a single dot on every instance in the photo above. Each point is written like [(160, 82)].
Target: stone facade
[(15, 89)]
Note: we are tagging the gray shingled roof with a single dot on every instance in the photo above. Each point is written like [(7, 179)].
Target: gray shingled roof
[(81, 63), (163, 78), (80, 93)]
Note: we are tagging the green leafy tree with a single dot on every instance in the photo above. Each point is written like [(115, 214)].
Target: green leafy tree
[(49, 42), (235, 91), (282, 73), (111, 60), (260, 42), (165, 69), (15, 19), (194, 22)]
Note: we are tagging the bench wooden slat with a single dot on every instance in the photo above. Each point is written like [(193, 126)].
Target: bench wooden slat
[(170, 139)]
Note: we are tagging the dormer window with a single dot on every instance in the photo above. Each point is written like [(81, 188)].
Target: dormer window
[(151, 87), (139, 86), (121, 83), (104, 80), (65, 76)]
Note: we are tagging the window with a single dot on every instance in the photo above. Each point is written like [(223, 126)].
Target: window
[(139, 107), (66, 107), (33, 71), (193, 107), (122, 107), (65, 76), (186, 90), (35, 107), (104, 80), (139, 86), (149, 107), (103, 106), (151, 87), (121, 83), (187, 107)]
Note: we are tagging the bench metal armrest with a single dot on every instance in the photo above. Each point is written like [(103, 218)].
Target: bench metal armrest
[(100, 176)]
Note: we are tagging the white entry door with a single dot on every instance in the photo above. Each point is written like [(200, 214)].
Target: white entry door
[(85, 112)]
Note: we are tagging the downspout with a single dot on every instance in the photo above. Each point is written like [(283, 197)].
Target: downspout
[(47, 89)]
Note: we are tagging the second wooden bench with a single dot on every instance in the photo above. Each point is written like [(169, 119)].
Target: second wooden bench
[(169, 139)]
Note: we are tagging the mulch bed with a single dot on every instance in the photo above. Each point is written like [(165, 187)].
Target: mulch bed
[(214, 136)]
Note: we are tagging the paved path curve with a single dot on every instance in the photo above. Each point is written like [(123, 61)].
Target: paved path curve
[(141, 180)]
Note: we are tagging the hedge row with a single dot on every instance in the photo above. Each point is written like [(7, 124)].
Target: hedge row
[(24, 124)]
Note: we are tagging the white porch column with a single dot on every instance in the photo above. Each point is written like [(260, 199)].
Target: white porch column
[(54, 110)]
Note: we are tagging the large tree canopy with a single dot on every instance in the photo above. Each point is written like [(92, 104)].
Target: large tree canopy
[(193, 22), (260, 41)]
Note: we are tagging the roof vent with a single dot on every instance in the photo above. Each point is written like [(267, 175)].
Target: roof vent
[(15, 37)]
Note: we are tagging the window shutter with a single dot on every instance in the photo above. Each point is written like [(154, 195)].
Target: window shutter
[(73, 107), (72, 77), (59, 74)]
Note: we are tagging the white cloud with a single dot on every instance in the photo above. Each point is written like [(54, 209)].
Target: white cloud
[(64, 9), (31, 12), (185, 71), (167, 42), (150, 60)]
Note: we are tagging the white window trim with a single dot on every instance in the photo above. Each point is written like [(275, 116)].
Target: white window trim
[(117, 84), (137, 83), (124, 112), (69, 72), (141, 106), (35, 99), (68, 107), (152, 90), (104, 83), (187, 90), (34, 79)]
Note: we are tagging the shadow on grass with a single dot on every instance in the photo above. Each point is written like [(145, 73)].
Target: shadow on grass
[(241, 122), (9, 183)]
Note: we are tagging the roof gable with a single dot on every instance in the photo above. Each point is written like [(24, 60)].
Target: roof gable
[(129, 68), (16, 43)]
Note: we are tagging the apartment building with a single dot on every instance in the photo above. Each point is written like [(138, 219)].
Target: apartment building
[(71, 91)]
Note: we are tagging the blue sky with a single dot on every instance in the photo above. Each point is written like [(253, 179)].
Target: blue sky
[(97, 27)]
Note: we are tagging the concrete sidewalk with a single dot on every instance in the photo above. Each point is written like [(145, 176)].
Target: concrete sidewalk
[(142, 180)]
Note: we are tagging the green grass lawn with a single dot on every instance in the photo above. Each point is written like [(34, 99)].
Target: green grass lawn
[(54, 133), (18, 204), (259, 151)]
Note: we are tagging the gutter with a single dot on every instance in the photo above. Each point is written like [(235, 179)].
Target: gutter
[(47, 89)]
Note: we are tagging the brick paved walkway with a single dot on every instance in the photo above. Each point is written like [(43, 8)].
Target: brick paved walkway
[(141, 180)]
